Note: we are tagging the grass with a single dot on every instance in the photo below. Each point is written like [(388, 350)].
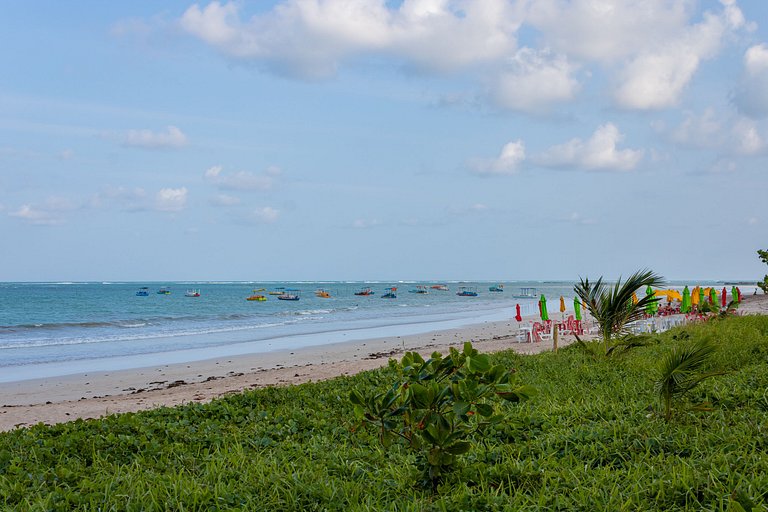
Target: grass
[(593, 438)]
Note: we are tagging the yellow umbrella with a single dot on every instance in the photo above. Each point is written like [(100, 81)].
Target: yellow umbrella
[(634, 298), (695, 296), (562, 304)]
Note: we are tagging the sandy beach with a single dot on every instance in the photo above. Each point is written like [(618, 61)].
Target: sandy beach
[(93, 395)]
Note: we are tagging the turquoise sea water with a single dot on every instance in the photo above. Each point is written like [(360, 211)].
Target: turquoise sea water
[(58, 328)]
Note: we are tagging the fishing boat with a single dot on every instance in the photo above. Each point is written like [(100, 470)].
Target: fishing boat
[(364, 292), (192, 293), (256, 296), (289, 294), (441, 287), (322, 294), (142, 292), (390, 293), (496, 288), (164, 291), (421, 289), (277, 291), (466, 291), (527, 293)]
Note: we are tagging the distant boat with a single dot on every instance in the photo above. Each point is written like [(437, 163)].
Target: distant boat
[(142, 292), (164, 291), (441, 287), (467, 291), (390, 293), (364, 292), (289, 294), (256, 297), (192, 293), (277, 291), (322, 294), (527, 293), (419, 289), (496, 288)]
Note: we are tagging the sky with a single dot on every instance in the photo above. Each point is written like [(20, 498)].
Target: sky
[(383, 140)]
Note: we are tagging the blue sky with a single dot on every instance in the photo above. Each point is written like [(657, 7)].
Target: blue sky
[(427, 139)]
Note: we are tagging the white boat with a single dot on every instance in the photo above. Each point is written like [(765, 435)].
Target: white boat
[(192, 293), (527, 293)]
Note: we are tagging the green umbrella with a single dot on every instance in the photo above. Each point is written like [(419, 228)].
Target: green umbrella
[(543, 307), (701, 295), (713, 296), (577, 308), (734, 295), (685, 305), (653, 305)]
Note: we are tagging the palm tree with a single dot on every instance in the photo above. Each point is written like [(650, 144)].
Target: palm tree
[(612, 307), (680, 371)]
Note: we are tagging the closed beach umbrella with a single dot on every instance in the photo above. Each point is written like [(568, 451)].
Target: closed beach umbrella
[(713, 296), (723, 297), (701, 296), (734, 295), (652, 306), (577, 308), (695, 296), (543, 308), (685, 305), (562, 304), (518, 317), (739, 292)]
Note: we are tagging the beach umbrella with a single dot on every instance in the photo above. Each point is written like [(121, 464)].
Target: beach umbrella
[(695, 296), (577, 308), (562, 304), (518, 317), (701, 296), (739, 292), (652, 306), (723, 297), (634, 298), (734, 295), (713, 296), (543, 308), (685, 305)]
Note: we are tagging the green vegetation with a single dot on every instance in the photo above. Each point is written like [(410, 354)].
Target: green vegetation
[(594, 437), (437, 406), (613, 307), (764, 258)]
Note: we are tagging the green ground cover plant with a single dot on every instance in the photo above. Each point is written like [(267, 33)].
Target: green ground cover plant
[(593, 437)]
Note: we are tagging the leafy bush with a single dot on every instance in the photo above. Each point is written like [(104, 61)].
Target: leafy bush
[(437, 405)]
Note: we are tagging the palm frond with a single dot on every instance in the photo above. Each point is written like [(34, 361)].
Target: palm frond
[(680, 371)]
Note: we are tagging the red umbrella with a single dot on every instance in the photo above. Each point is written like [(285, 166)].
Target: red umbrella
[(722, 299), (517, 316), (738, 292)]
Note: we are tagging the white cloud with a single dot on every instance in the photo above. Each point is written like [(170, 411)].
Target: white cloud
[(656, 77), (242, 180), (264, 215), (532, 81), (508, 162), (171, 138), (577, 218), (728, 135), (597, 153), (48, 214), (746, 138), (311, 38), (67, 154), (751, 97), (127, 199), (171, 199), (698, 131), (366, 224), (225, 200)]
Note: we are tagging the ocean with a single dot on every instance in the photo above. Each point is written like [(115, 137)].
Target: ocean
[(50, 329)]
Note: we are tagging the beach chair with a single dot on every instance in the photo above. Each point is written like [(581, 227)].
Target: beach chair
[(542, 332), (525, 333)]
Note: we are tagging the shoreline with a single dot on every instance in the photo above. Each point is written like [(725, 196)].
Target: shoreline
[(97, 394)]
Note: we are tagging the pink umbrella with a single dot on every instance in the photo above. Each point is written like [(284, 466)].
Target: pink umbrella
[(518, 317), (722, 299)]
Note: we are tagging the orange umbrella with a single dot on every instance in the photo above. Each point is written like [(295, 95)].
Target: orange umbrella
[(562, 304)]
